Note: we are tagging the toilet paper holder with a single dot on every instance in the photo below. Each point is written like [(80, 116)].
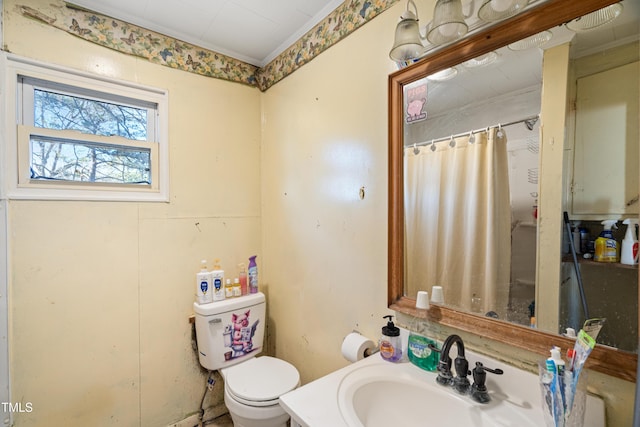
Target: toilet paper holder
[(361, 341), (369, 351)]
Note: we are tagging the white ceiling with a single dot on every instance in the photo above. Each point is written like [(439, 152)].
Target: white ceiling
[(254, 31)]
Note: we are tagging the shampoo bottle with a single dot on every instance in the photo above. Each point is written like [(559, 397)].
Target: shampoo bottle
[(390, 342), (253, 275), (217, 281), (203, 284), (606, 245), (629, 253)]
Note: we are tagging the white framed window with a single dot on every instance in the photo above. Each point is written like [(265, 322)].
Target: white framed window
[(75, 136)]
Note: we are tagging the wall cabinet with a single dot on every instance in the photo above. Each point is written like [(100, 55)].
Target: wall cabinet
[(606, 157)]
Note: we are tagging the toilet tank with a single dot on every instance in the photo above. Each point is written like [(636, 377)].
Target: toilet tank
[(230, 331)]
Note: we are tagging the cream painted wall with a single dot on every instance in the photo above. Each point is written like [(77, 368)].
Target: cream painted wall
[(324, 132), (101, 293)]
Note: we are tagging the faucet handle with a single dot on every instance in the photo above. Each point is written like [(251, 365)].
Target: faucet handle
[(479, 389), (480, 368)]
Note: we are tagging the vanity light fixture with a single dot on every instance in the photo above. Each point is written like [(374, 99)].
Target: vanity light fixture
[(596, 19), (448, 25), (482, 60), (536, 40), (448, 22), (496, 10), (446, 74), (407, 44)]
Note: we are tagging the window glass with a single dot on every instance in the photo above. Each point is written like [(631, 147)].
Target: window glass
[(84, 162), (60, 111)]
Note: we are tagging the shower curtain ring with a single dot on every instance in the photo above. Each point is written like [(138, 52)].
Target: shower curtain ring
[(416, 150), (472, 138), (452, 142), (500, 134), (433, 145)]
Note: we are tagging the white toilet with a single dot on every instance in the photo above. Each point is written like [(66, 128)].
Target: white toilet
[(230, 334)]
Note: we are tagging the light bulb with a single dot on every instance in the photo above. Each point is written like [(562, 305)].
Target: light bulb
[(501, 5), (449, 30)]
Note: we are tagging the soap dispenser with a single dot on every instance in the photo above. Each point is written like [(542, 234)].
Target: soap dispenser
[(390, 342)]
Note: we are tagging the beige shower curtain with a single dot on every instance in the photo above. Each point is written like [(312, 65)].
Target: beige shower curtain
[(458, 221)]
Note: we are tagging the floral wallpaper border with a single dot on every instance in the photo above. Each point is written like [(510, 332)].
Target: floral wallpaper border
[(345, 19), (160, 49)]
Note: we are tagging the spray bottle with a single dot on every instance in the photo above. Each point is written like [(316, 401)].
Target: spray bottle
[(253, 275), (606, 245), (629, 252)]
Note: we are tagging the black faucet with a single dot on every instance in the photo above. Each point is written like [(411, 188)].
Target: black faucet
[(479, 391), (460, 383)]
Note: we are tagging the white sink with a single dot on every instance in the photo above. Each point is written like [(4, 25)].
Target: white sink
[(388, 394), (374, 392)]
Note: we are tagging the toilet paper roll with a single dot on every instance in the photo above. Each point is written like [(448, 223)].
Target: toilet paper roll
[(356, 347)]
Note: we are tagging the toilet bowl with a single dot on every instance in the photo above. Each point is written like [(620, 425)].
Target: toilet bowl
[(230, 335), (252, 391)]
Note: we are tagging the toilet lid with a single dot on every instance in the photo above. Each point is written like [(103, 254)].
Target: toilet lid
[(261, 380)]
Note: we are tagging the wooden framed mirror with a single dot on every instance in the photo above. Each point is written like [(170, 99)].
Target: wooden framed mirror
[(543, 16)]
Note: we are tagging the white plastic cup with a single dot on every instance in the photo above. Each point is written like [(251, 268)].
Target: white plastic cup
[(437, 296), (422, 301)]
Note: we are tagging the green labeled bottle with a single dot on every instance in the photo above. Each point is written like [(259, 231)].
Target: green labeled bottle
[(420, 354)]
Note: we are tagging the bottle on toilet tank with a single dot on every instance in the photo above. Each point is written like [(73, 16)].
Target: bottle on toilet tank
[(217, 281), (237, 290), (203, 284), (253, 275), (228, 289), (242, 278)]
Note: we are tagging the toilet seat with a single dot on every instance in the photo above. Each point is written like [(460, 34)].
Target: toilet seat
[(260, 381)]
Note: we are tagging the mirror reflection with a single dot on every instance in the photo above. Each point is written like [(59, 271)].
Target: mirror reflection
[(472, 168)]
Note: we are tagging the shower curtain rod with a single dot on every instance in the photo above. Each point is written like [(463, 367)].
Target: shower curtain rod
[(529, 122)]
